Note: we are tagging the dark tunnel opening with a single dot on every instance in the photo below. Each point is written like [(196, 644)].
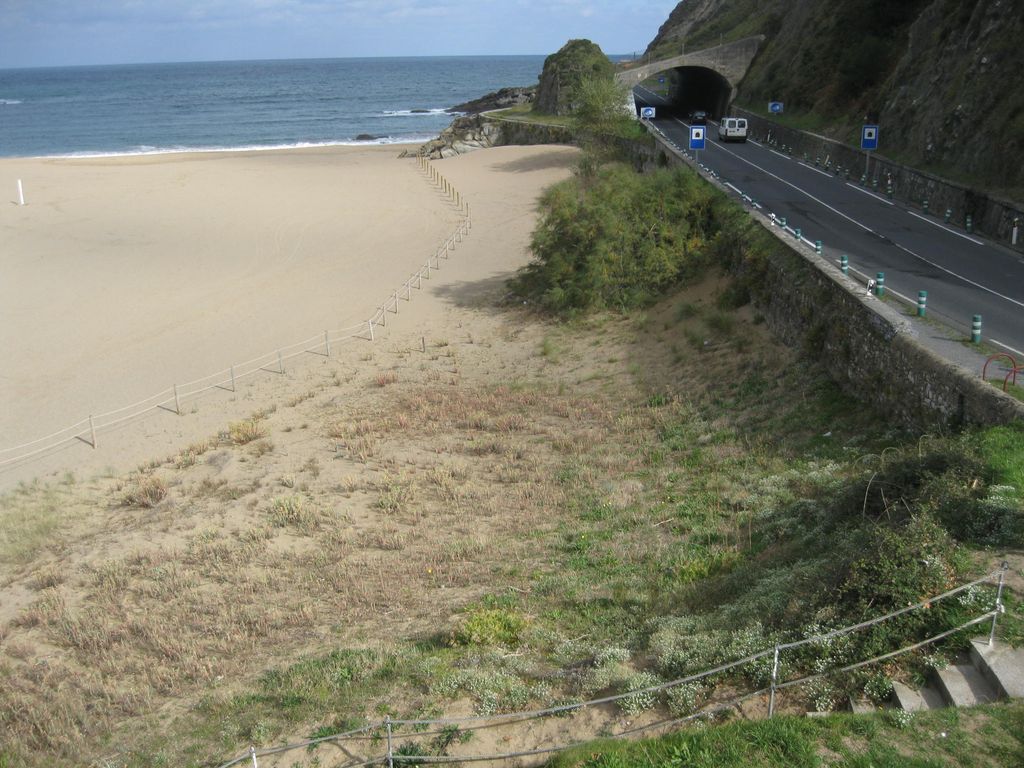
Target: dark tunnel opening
[(692, 89)]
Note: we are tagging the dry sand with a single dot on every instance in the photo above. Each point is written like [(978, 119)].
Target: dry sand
[(122, 276)]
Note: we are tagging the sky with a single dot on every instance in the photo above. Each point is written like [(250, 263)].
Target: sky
[(36, 33)]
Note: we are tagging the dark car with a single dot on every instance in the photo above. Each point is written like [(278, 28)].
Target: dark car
[(700, 117)]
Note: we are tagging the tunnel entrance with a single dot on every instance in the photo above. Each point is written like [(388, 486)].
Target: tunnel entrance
[(697, 88)]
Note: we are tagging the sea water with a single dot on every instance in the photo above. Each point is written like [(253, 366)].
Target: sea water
[(152, 108)]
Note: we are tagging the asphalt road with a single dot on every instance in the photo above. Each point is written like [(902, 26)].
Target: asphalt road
[(963, 274)]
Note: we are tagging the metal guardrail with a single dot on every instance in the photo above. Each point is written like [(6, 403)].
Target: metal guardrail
[(384, 731)]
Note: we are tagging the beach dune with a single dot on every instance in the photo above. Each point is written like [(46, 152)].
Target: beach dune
[(122, 276)]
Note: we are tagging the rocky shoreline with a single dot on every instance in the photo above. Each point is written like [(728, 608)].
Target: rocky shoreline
[(501, 99)]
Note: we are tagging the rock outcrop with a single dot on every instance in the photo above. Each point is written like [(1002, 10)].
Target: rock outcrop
[(503, 99), (465, 134), (563, 72)]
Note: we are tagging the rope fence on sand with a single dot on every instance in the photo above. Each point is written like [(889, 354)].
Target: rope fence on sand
[(171, 399), (386, 734)]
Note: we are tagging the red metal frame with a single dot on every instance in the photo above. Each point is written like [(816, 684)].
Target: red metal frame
[(997, 356)]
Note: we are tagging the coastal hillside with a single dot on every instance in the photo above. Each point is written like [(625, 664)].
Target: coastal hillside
[(935, 74)]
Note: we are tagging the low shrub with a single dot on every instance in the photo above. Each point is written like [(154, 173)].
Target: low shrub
[(144, 491), (491, 626), (242, 432)]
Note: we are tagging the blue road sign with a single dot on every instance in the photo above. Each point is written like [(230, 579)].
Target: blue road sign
[(775, 107), (869, 137), (697, 137), (661, 79), (647, 113)]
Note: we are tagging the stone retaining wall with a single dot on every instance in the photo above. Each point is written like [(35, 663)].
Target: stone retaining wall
[(869, 347)]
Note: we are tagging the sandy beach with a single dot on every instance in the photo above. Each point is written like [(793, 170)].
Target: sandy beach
[(125, 275)]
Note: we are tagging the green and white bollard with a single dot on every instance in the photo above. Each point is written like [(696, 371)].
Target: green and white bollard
[(863, 179), (782, 222), (888, 190), (797, 233), (924, 206), (880, 284), (844, 264), (949, 215), (817, 247), (874, 183), (922, 302), (969, 224), (976, 330)]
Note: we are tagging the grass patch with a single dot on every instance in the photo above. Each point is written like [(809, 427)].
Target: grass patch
[(144, 491), (29, 517), (246, 431), (981, 736)]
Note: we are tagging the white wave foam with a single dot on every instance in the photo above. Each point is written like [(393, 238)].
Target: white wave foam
[(9, 102), (413, 113), (147, 150)]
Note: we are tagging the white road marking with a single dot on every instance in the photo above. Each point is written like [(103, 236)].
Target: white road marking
[(784, 157), (1007, 346), (866, 228), (812, 168), (942, 226), (870, 194), (734, 189), (791, 184), (958, 276)]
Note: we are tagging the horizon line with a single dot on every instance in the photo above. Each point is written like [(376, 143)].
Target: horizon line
[(301, 58)]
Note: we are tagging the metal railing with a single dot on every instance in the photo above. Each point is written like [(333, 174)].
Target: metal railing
[(170, 399), (385, 731)]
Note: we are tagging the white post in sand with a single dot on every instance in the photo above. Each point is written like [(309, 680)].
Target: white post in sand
[(21, 193)]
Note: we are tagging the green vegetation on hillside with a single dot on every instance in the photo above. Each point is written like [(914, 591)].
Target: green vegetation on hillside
[(619, 240), (978, 738)]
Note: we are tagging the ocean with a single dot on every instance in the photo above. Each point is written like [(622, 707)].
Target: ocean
[(153, 108)]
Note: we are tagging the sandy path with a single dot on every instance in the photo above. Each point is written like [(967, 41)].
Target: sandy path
[(125, 275)]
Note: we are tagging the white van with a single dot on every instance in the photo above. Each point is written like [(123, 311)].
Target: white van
[(732, 129)]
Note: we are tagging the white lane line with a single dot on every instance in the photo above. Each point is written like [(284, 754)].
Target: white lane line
[(866, 228), (812, 168), (958, 276), (784, 157), (1007, 346), (734, 189), (879, 198), (794, 186), (942, 226)]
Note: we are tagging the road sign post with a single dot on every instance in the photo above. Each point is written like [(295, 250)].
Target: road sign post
[(869, 143), (697, 138), (647, 113)]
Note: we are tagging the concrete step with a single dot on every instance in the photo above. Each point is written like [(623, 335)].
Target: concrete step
[(1001, 665), (860, 706), (962, 685), (905, 697)]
